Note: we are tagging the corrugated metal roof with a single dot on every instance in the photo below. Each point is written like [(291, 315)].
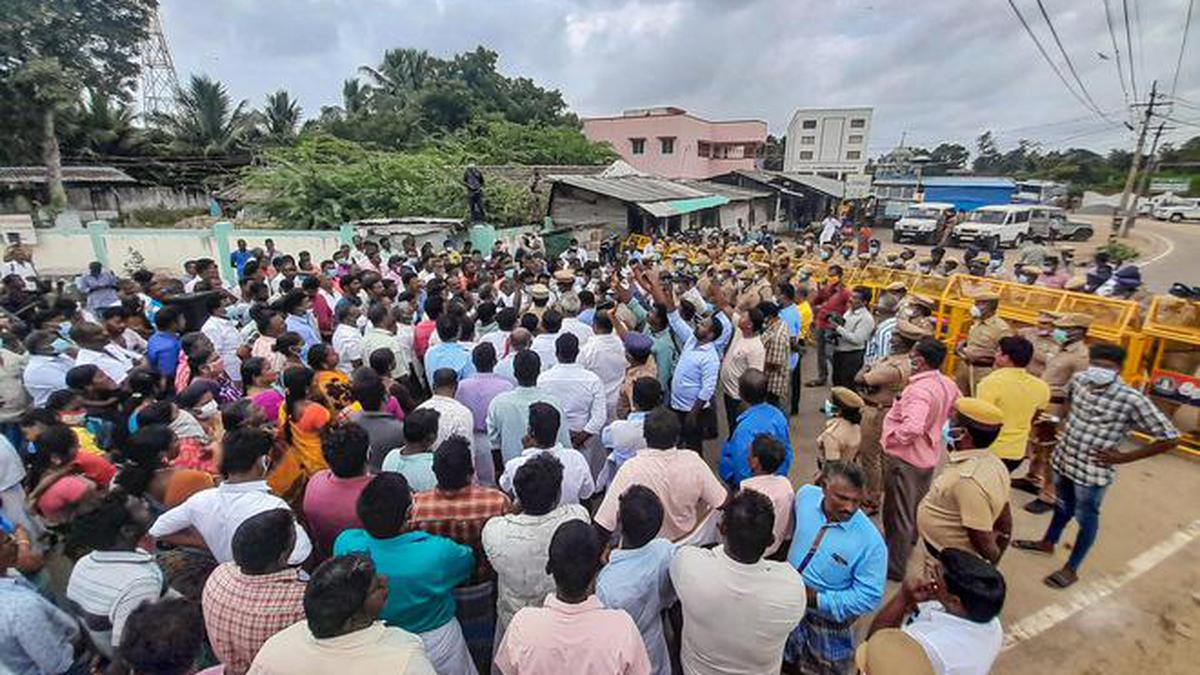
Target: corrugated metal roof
[(733, 192), (631, 188), (71, 174), (968, 181), (829, 186), (678, 207)]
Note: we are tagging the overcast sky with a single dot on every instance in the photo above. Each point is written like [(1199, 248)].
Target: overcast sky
[(936, 69)]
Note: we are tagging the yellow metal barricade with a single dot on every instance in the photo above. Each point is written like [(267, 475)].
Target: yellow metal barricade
[(1172, 338)]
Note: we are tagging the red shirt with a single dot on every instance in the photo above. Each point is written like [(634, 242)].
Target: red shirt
[(830, 300), (324, 314), (97, 469), (421, 334), (330, 506)]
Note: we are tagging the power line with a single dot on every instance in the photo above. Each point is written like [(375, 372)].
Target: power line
[(1067, 58), (1187, 22), (1116, 52), (1129, 48), (1038, 43)]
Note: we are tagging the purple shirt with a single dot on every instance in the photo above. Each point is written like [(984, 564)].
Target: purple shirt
[(477, 391), (330, 507)]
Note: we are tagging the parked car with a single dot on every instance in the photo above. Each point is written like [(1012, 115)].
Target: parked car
[(991, 227), (1051, 222), (925, 222), (1178, 210)]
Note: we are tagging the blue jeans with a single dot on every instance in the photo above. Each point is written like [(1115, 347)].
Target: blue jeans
[(1081, 502)]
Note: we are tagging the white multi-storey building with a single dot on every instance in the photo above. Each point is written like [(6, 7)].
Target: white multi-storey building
[(829, 142)]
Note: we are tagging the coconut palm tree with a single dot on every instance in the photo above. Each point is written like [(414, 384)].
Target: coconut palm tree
[(280, 116), (355, 96), (403, 71), (206, 120), (103, 126)]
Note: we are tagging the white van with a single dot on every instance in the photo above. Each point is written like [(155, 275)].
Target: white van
[(924, 222), (1178, 209), (991, 227)]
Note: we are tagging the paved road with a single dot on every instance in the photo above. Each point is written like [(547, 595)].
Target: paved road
[(1175, 253)]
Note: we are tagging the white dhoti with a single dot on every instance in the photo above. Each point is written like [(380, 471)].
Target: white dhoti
[(447, 650)]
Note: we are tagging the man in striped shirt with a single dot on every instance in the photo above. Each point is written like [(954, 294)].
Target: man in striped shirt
[(880, 344)]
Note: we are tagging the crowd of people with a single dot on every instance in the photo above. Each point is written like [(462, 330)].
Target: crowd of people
[(455, 461)]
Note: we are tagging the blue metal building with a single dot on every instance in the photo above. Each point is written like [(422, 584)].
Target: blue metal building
[(969, 192)]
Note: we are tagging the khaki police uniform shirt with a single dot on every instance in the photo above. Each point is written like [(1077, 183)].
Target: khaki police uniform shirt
[(886, 378), (969, 493), (1070, 360), (839, 440), (984, 337), (1044, 348)]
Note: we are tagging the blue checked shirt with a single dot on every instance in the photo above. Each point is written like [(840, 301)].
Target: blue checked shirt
[(1100, 419), (35, 636), (849, 568)]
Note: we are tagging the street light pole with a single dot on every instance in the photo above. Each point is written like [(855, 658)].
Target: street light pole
[(1122, 219)]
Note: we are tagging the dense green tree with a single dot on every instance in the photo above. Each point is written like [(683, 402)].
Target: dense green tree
[(206, 120), (51, 51), (987, 154)]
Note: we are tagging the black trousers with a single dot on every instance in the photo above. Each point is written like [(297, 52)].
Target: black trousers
[(845, 366), (733, 408), (796, 386), (692, 430)]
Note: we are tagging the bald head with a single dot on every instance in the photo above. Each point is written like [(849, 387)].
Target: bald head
[(520, 339)]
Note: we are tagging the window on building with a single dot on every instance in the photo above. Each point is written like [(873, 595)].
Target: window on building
[(637, 146), (853, 154), (806, 154), (858, 123), (855, 139), (704, 149), (808, 124), (667, 144), (808, 140)]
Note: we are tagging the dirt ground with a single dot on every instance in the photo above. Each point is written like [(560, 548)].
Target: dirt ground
[(1136, 607)]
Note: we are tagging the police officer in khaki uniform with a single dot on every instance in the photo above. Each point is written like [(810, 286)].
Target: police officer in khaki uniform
[(900, 290), (977, 353), (840, 440), (1070, 332), (920, 312), (881, 383), (540, 295), (967, 504), (1040, 335)]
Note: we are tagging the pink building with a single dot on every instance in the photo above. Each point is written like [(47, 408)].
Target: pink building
[(671, 143)]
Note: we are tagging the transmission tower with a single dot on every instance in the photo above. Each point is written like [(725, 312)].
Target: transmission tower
[(159, 82)]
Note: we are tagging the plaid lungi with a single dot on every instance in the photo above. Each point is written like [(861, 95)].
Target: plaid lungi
[(477, 614), (821, 646)]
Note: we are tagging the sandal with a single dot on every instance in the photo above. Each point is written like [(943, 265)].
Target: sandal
[(1034, 545), (1061, 579)]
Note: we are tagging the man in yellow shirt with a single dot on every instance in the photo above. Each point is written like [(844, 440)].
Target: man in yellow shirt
[(1018, 394)]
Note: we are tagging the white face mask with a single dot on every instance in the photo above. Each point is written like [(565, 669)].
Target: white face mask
[(976, 313), (1099, 377), (208, 410)]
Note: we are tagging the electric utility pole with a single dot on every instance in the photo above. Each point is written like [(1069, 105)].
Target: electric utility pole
[(1123, 218), (1147, 175)]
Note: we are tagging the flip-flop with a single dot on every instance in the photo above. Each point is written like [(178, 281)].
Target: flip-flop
[(1058, 580), (1030, 545)]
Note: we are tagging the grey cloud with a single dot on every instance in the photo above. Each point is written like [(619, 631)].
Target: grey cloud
[(938, 69)]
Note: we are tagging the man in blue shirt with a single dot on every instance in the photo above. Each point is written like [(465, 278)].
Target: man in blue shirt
[(843, 560), (760, 418), (449, 353), (240, 257), (162, 349), (789, 314)]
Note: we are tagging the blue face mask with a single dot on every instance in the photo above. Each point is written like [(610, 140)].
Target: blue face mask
[(1059, 335), (60, 345), (64, 329), (947, 439), (827, 408), (1098, 377)]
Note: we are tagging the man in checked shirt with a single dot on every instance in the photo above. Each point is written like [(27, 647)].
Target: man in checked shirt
[(1102, 410)]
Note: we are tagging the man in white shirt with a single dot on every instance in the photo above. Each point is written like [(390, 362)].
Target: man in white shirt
[(225, 337), (577, 483), (455, 418), (95, 348), (580, 390), (738, 609), (108, 583), (604, 355), (746, 351), (829, 228), (953, 612), (348, 339), (381, 334), (20, 263), (217, 512), (46, 371), (545, 341), (570, 305)]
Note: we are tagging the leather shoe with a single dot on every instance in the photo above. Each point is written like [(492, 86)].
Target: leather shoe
[(1038, 506), (1026, 485)]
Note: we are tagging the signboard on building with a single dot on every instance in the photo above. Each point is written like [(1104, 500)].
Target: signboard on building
[(858, 186), (1170, 185)]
